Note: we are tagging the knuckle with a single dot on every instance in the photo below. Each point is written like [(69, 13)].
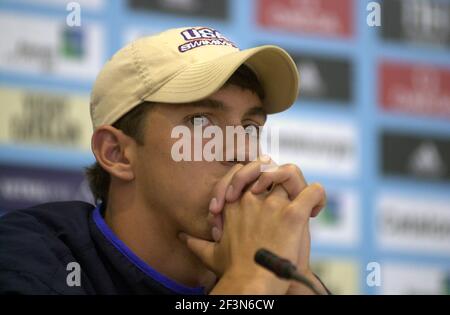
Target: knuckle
[(295, 215), (264, 177), (268, 168), (261, 161), (293, 168), (248, 197), (272, 203), (264, 159), (317, 190)]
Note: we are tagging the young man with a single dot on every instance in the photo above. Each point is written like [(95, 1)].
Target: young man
[(163, 225)]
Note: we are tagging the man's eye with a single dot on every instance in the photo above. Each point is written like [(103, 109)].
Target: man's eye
[(251, 130), (200, 120)]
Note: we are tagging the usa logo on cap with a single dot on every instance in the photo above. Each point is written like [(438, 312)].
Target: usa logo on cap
[(198, 37)]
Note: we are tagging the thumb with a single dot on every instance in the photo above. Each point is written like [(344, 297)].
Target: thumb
[(203, 249)]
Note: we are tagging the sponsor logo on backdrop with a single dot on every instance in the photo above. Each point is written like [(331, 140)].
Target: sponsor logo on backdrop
[(407, 279), (318, 146), (341, 276), (337, 224), (416, 156), (324, 78), (323, 17), (416, 21), (24, 186), (411, 223), (51, 119), (426, 161), (218, 9), (72, 43), (416, 89), (332, 214), (47, 46)]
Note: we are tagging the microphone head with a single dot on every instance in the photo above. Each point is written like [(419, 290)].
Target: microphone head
[(283, 268), (264, 257)]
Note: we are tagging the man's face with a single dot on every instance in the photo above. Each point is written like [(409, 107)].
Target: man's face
[(181, 191)]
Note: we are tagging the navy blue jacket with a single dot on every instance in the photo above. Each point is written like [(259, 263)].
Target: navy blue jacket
[(38, 244)]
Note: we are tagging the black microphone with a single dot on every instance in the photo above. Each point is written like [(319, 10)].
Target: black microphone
[(281, 267)]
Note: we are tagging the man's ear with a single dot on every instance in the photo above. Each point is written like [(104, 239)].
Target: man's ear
[(113, 150)]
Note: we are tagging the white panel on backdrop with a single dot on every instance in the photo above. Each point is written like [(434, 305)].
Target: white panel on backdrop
[(408, 279), (321, 146), (47, 46), (412, 223), (45, 117), (341, 275)]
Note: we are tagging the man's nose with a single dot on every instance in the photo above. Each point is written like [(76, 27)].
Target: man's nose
[(241, 151)]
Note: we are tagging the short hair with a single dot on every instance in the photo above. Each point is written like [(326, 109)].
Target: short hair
[(132, 124)]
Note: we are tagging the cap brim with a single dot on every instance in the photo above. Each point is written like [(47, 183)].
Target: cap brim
[(274, 68)]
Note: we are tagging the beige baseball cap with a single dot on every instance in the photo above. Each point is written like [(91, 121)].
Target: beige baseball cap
[(185, 65)]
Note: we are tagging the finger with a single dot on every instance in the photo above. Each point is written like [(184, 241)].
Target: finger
[(203, 249), (288, 175), (215, 216), (316, 210), (277, 198), (277, 192), (218, 199), (322, 204), (223, 186), (250, 172), (214, 219), (311, 197), (245, 176)]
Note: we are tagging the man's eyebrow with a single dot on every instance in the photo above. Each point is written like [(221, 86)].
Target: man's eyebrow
[(257, 111), (218, 105)]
